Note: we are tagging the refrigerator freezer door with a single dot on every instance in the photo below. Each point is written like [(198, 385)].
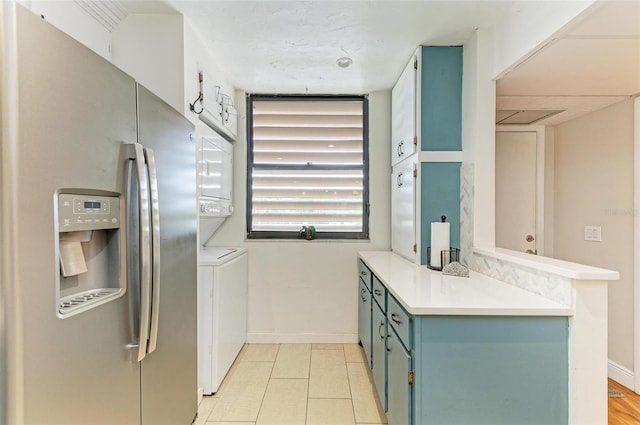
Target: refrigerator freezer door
[(169, 382), (75, 110)]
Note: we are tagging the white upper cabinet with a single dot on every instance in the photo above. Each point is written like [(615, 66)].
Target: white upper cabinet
[(403, 211), (403, 114)]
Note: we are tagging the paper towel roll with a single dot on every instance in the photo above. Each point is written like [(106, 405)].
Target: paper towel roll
[(439, 242)]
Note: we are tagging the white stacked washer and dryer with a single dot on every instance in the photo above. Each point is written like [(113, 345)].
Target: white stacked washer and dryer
[(222, 275), (222, 313)]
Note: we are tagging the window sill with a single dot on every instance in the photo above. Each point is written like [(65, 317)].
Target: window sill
[(319, 240)]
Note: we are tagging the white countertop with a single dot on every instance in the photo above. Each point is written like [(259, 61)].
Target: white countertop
[(550, 265), (422, 291)]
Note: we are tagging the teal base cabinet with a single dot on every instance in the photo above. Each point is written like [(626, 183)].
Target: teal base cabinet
[(491, 370), (379, 357), (399, 377), (364, 320), (471, 370), (364, 309)]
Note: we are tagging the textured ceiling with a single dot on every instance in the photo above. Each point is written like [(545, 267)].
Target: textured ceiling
[(292, 46)]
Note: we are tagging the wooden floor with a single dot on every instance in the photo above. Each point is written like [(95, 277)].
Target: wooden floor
[(624, 410)]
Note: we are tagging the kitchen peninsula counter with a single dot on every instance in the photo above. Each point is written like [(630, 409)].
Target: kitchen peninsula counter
[(422, 291), (456, 337)]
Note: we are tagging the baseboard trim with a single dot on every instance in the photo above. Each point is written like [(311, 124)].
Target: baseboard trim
[(200, 394), (274, 338), (620, 374)]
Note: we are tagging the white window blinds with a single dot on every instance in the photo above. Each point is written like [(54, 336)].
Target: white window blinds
[(307, 166)]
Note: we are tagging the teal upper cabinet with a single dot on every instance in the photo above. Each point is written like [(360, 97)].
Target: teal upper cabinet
[(440, 106), (403, 117), (426, 105)]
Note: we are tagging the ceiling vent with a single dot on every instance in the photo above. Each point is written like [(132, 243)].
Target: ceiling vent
[(524, 117)]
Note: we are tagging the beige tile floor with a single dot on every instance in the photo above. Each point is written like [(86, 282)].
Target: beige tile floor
[(295, 384)]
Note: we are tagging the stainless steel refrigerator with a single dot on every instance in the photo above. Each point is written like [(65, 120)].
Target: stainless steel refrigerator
[(98, 239)]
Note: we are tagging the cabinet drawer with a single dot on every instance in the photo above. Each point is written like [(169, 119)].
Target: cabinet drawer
[(400, 320), (379, 293), (365, 274)]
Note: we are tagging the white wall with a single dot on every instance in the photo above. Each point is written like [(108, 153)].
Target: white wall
[(198, 58), (150, 48), (478, 132), (594, 174), (549, 190), (489, 54), (69, 17), (307, 291), (165, 54), (636, 222)]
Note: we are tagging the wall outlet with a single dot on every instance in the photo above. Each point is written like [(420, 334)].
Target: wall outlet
[(593, 233)]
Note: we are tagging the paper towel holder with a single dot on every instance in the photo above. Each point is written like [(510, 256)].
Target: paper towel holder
[(446, 256)]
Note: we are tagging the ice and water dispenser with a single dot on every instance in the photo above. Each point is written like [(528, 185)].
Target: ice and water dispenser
[(90, 246)]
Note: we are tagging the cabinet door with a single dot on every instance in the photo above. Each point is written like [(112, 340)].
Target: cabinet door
[(364, 319), (403, 114), (398, 386), (379, 358), (403, 210)]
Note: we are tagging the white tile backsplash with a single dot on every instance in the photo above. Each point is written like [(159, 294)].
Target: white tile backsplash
[(466, 212), (548, 285)]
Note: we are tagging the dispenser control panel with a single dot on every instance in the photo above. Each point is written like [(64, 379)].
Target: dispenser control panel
[(87, 212)]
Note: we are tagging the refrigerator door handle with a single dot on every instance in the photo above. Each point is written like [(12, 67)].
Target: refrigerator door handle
[(155, 243), (133, 234), (144, 248)]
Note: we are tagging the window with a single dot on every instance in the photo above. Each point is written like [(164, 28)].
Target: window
[(307, 166)]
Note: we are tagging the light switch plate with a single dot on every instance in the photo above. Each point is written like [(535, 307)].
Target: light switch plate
[(593, 233)]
